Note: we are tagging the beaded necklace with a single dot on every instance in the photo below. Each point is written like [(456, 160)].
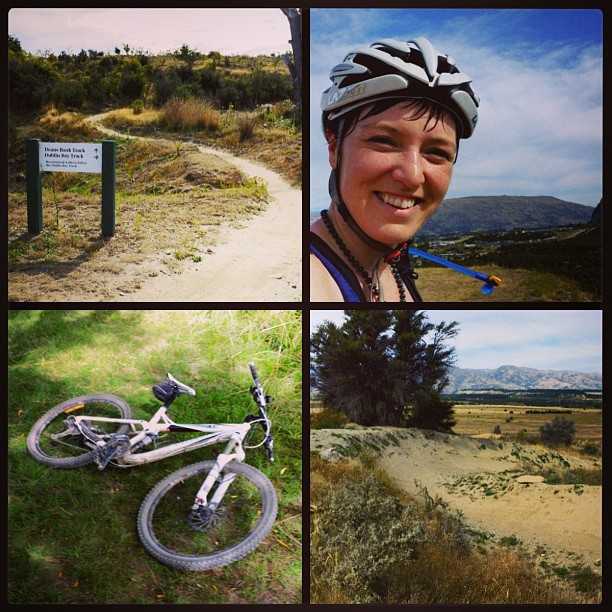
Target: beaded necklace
[(372, 286)]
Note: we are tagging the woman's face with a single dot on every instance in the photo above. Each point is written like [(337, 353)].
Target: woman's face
[(394, 174)]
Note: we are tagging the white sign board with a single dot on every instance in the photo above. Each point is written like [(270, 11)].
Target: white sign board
[(71, 157)]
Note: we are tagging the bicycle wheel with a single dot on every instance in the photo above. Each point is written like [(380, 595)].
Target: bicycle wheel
[(55, 442), (177, 536)]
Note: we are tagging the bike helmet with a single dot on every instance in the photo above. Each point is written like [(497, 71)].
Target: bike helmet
[(390, 69)]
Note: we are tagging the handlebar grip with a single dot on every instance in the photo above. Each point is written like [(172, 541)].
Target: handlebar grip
[(254, 372)]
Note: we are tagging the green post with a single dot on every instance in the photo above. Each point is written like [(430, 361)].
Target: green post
[(108, 187), (34, 187)]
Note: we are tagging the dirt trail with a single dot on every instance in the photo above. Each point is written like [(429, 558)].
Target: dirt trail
[(260, 262), (559, 523)]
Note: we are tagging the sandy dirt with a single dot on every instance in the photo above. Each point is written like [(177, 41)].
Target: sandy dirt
[(561, 524), (258, 262)]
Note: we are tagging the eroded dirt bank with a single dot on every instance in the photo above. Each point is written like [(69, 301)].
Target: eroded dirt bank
[(486, 480)]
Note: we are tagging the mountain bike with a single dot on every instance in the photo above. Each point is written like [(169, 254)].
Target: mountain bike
[(202, 516)]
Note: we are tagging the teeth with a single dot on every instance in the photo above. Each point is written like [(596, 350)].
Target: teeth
[(396, 201)]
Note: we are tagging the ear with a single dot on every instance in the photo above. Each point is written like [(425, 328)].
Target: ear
[(332, 152)]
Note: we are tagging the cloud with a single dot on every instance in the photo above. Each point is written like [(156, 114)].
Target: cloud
[(544, 339), (541, 113)]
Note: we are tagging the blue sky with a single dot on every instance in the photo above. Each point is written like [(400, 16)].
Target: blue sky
[(538, 74), (543, 339), (229, 31)]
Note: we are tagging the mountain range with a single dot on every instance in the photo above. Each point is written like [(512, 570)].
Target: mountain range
[(509, 377), (502, 213)]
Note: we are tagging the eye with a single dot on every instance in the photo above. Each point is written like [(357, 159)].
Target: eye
[(441, 154), (384, 140)]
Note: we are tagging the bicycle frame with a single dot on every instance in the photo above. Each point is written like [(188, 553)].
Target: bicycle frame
[(160, 422)]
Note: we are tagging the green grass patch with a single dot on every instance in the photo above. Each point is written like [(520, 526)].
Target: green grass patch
[(73, 537)]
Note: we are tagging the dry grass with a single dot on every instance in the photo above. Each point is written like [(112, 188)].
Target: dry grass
[(190, 114), (279, 148), (445, 569), (442, 285), (246, 122), (481, 419)]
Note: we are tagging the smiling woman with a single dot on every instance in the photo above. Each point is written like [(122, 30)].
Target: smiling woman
[(392, 119)]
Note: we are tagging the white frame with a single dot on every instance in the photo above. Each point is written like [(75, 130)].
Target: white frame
[(160, 422)]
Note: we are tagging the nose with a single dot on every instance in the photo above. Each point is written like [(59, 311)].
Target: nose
[(409, 169)]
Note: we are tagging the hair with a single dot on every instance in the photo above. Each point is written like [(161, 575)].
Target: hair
[(342, 126)]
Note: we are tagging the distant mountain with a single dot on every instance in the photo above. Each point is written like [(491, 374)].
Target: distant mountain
[(510, 377), (490, 213)]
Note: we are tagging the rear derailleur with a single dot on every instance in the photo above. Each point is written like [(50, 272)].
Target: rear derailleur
[(115, 447)]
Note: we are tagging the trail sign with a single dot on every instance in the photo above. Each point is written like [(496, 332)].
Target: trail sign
[(93, 157), (71, 157)]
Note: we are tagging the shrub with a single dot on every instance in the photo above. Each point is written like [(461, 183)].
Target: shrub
[(190, 114), (591, 448), (558, 431), (246, 123), (328, 419), (137, 107), (367, 533)]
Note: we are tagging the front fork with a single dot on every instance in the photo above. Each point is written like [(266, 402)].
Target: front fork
[(233, 452)]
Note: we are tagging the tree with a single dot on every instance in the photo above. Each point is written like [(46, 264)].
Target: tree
[(385, 367), (558, 431), (294, 63)]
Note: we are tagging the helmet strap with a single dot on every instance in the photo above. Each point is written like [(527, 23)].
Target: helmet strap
[(334, 192)]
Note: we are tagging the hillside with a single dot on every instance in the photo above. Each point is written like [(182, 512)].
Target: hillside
[(491, 482), (485, 213), (510, 377), (491, 213)]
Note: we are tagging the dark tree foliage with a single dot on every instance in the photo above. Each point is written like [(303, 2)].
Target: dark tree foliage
[(558, 431), (385, 367)]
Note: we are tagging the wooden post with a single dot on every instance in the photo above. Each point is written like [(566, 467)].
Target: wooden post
[(34, 187), (108, 187)]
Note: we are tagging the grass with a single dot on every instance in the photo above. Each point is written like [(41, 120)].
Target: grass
[(190, 114), (276, 142), (434, 559), (72, 532), (518, 285), (328, 419), (473, 419)]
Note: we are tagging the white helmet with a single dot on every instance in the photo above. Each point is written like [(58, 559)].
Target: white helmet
[(396, 69)]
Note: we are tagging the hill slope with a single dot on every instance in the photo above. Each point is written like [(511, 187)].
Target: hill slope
[(514, 377), (486, 213)]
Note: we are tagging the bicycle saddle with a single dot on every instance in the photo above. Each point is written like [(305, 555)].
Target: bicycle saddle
[(167, 390)]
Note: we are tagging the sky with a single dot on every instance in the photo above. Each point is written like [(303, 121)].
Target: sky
[(538, 74), (542, 339), (229, 31)]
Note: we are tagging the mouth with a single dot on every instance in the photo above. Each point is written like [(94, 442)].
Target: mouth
[(399, 202)]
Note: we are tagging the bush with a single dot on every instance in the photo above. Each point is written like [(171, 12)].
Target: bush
[(591, 448), (558, 431), (367, 533), (246, 123), (328, 419), (190, 114), (137, 107)]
